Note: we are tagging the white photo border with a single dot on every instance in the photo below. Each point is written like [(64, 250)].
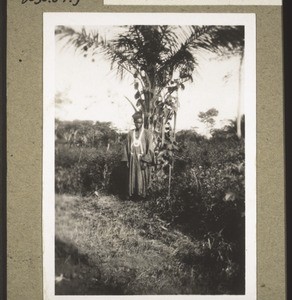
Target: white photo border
[(51, 20)]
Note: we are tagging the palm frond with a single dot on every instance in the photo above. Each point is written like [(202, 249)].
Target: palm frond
[(132, 104), (81, 40), (222, 40), (159, 50)]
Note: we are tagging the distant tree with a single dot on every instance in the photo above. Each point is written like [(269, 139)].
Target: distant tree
[(208, 118), (234, 41), (86, 133), (230, 130), (188, 135)]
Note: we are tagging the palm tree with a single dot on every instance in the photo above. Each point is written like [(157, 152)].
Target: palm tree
[(160, 59)]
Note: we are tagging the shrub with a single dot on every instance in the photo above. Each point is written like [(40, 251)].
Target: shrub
[(81, 170), (207, 202)]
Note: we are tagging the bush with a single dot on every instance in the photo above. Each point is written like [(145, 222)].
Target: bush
[(207, 201), (81, 170)]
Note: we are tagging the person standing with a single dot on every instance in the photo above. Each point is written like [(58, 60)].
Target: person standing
[(139, 156)]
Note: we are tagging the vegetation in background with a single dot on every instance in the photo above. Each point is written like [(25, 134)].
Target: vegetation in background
[(206, 205), (160, 60)]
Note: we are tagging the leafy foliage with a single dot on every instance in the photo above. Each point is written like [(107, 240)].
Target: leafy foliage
[(208, 116), (86, 133), (160, 60), (207, 199), (86, 154)]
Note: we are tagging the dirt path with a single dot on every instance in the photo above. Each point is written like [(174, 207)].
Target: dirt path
[(105, 246)]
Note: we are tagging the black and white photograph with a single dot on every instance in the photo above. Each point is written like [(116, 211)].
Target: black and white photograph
[(149, 147)]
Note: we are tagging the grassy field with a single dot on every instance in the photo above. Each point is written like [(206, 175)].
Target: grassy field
[(106, 246)]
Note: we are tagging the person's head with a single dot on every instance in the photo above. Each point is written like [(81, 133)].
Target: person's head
[(138, 120)]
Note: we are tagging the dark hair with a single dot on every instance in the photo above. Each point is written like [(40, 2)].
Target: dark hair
[(137, 115)]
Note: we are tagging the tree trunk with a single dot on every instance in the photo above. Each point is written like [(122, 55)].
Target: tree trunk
[(147, 109), (174, 124), (162, 132), (169, 180), (238, 120)]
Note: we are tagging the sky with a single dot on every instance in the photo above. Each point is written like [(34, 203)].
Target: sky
[(89, 90)]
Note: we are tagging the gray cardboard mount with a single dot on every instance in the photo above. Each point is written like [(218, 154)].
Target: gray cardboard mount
[(24, 140)]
